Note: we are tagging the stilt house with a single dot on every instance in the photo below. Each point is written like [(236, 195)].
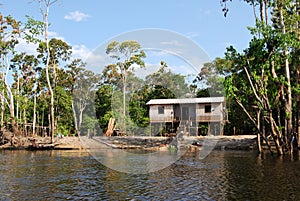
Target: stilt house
[(193, 116)]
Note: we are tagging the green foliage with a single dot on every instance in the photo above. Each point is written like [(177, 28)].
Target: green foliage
[(125, 54), (34, 29), (166, 84), (9, 33), (259, 79), (88, 123), (60, 52), (103, 102)]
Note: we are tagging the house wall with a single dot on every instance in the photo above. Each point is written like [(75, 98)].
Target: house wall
[(156, 117), (196, 112), (213, 116)]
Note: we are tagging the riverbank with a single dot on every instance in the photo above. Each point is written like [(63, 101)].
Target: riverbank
[(192, 143), (242, 142), (43, 143)]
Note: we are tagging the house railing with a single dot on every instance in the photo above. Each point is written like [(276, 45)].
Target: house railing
[(202, 118), (209, 118)]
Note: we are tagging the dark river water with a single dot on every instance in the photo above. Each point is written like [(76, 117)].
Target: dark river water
[(223, 175)]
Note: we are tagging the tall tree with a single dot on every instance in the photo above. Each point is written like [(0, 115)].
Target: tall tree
[(44, 9), (9, 32), (127, 56), (25, 68), (84, 86), (60, 53)]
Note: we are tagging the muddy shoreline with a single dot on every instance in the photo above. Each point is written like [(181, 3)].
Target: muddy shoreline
[(243, 142), (42, 143)]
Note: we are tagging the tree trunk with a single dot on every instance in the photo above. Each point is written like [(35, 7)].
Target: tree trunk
[(17, 102), (80, 117), (24, 122), (2, 109), (12, 111), (262, 10), (46, 24), (298, 107), (258, 133), (298, 76), (276, 135), (74, 117), (266, 11), (124, 100), (288, 104), (34, 114), (11, 100)]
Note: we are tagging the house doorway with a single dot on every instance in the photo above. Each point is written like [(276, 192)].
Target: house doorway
[(185, 114)]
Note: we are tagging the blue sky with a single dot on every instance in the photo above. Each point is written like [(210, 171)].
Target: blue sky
[(87, 24)]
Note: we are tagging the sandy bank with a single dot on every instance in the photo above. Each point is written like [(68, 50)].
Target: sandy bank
[(243, 142)]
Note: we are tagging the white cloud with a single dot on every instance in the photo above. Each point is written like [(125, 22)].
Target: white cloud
[(23, 46), (76, 16), (97, 60), (80, 51), (30, 48), (56, 35)]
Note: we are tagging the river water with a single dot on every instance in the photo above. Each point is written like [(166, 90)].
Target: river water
[(222, 175)]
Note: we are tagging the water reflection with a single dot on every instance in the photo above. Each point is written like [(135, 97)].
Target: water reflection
[(61, 175)]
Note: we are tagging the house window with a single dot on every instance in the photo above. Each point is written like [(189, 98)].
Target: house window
[(207, 109), (161, 109)]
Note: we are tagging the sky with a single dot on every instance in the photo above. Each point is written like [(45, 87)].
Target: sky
[(88, 25)]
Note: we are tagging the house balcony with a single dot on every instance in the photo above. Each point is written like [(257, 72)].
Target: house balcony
[(202, 118)]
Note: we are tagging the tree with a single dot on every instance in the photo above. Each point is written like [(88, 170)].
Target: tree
[(127, 55), (267, 65), (25, 68), (33, 93), (60, 53), (44, 9), (103, 103), (166, 84), (83, 91), (9, 31), (212, 79)]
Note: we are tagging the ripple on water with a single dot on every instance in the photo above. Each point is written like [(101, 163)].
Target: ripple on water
[(220, 176)]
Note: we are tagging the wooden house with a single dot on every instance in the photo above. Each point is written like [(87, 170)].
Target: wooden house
[(193, 116)]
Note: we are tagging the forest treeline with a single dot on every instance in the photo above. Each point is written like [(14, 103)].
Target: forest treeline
[(51, 89), (33, 85)]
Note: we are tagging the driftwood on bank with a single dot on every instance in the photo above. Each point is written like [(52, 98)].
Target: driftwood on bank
[(5, 137), (110, 127)]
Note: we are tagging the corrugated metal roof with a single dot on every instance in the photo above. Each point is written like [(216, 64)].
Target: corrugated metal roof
[(186, 101)]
